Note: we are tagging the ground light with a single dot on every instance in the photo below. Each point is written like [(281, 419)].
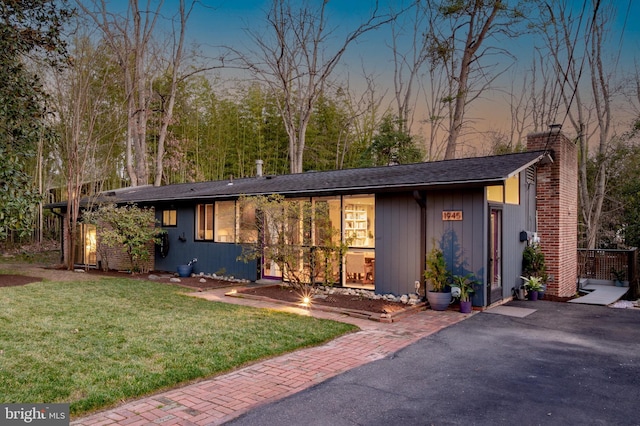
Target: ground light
[(305, 297)]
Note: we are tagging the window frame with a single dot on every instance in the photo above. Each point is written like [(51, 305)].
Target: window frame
[(168, 224), (207, 221)]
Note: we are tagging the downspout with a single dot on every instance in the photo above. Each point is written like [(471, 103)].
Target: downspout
[(421, 199)]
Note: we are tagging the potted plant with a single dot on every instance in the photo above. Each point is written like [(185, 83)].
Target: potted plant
[(618, 276), (186, 270), (466, 284), (533, 262), (437, 280), (533, 285)]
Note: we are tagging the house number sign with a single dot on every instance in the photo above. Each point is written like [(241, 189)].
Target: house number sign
[(452, 215)]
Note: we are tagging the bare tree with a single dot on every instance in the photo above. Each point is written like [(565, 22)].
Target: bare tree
[(408, 63), (460, 36), (581, 112), (363, 111), (520, 107), (78, 98), (436, 88), (295, 62), (175, 69), (544, 92), (130, 38)]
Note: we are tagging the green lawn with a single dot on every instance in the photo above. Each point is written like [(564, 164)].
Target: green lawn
[(93, 344)]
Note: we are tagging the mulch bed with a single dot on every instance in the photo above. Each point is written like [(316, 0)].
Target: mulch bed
[(16, 280), (275, 292), (341, 301)]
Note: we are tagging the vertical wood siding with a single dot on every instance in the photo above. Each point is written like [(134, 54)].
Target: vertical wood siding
[(212, 257), (464, 243), (398, 263), (516, 218)]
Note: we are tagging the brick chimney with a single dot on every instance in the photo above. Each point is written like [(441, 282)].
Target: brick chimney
[(557, 210)]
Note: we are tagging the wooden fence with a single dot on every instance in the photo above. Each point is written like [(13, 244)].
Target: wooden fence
[(599, 264)]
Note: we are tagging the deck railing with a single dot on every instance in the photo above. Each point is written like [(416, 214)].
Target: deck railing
[(599, 264)]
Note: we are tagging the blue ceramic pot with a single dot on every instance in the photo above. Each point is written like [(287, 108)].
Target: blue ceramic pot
[(185, 270)]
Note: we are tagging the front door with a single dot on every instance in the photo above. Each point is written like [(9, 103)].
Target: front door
[(494, 289), (86, 250)]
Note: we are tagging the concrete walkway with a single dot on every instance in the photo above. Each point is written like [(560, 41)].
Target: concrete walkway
[(600, 295), (219, 399)]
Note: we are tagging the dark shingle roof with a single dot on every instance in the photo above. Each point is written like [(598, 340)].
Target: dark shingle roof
[(431, 175)]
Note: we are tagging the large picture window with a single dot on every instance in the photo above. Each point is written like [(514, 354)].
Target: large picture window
[(359, 219), (225, 221), (327, 225), (248, 232)]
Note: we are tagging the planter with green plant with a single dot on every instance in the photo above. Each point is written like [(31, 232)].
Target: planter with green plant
[(533, 265), (618, 276), (466, 284), (437, 280), (533, 285)]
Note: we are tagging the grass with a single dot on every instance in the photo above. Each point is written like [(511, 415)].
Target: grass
[(93, 344)]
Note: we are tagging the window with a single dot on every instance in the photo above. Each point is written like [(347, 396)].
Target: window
[(204, 222), (247, 225), (169, 218), (495, 193), (359, 220), (326, 221), (512, 190), (225, 222), (509, 193)]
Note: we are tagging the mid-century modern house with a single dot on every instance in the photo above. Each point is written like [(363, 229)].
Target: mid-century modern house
[(482, 212)]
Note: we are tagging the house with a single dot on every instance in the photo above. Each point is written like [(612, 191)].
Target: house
[(482, 212)]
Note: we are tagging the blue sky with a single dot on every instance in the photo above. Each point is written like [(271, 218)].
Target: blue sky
[(223, 22)]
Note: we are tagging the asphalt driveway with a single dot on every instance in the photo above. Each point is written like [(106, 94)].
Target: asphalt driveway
[(563, 364)]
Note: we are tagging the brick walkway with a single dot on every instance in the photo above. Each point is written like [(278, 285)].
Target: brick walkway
[(222, 398)]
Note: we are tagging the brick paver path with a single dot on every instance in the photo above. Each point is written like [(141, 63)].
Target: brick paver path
[(222, 398)]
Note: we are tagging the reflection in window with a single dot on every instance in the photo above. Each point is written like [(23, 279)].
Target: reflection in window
[(326, 224), (225, 222), (248, 232)]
